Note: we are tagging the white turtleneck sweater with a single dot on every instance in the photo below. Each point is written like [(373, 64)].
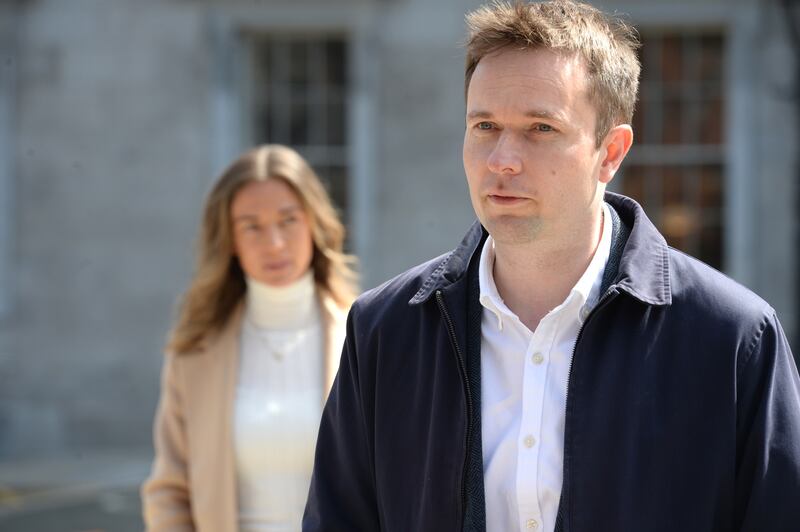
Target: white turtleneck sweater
[(278, 404)]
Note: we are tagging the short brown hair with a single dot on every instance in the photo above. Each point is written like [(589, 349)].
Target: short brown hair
[(606, 44)]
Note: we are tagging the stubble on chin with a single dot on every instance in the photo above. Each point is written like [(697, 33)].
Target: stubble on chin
[(513, 230)]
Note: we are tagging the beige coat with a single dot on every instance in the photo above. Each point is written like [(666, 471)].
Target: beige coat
[(192, 485)]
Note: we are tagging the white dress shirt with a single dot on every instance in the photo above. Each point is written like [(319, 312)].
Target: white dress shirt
[(524, 395), (278, 404)]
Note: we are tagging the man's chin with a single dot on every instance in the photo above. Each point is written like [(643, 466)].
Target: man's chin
[(509, 229)]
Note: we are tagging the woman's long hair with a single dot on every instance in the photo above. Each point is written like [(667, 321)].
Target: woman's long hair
[(218, 284)]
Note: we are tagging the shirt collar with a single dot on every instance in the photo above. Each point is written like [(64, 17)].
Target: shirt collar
[(588, 286), (587, 289), (489, 296)]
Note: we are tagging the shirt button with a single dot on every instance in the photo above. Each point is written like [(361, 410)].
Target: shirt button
[(529, 441), (537, 359), (532, 523), (584, 312)]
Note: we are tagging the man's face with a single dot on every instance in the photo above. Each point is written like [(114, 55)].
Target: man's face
[(532, 165)]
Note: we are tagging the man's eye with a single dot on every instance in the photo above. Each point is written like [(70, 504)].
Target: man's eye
[(544, 127), (484, 125)]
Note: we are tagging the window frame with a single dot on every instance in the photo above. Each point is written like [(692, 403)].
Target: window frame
[(230, 122), (741, 30), (689, 156), (322, 155)]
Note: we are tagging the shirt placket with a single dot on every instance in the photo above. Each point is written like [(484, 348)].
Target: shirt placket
[(536, 364)]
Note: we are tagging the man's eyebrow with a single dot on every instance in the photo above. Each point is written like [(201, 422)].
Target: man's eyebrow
[(478, 114), (533, 113)]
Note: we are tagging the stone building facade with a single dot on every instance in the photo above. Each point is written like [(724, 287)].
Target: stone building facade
[(115, 116)]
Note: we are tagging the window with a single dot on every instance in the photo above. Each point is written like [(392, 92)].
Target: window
[(676, 168), (298, 94)]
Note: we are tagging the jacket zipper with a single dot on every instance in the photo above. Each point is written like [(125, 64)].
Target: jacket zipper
[(468, 395), (608, 296)]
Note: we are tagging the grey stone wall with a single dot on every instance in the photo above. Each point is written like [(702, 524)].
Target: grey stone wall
[(421, 192), (111, 164)]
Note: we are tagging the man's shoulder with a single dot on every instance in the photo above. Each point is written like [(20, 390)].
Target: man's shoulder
[(714, 294)]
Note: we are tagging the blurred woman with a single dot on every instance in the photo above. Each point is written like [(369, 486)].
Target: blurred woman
[(253, 353)]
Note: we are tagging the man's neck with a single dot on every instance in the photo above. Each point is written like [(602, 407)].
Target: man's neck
[(536, 277)]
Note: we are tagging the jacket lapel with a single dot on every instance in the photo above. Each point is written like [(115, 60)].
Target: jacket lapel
[(219, 377)]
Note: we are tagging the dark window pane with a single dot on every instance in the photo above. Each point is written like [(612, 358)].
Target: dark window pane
[(279, 121), (672, 59), (263, 61), (711, 245), (298, 129), (711, 53), (336, 123), (262, 128), (710, 194), (690, 121), (672, 121), (711, 122), (317, 119), (633, 184), (298, 65), (639, 119), (672, 189), (650, 58), (336, 63)]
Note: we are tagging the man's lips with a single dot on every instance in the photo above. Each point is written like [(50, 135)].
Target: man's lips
[(505, 199)]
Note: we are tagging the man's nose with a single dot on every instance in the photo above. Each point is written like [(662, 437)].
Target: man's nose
[(506, 157)]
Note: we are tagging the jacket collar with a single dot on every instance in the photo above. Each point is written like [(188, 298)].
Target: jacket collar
[(643, 269), (638, 264), (454, 265)]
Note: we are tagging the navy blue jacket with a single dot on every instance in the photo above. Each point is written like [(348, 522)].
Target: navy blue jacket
[(683, 402)]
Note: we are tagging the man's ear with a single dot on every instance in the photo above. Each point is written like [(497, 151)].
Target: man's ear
[(615, 146)]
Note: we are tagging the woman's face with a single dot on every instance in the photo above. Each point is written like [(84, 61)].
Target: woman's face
[(271, 232)]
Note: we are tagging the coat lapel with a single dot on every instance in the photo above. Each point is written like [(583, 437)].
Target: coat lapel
[(214, 383), (333, 322)]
